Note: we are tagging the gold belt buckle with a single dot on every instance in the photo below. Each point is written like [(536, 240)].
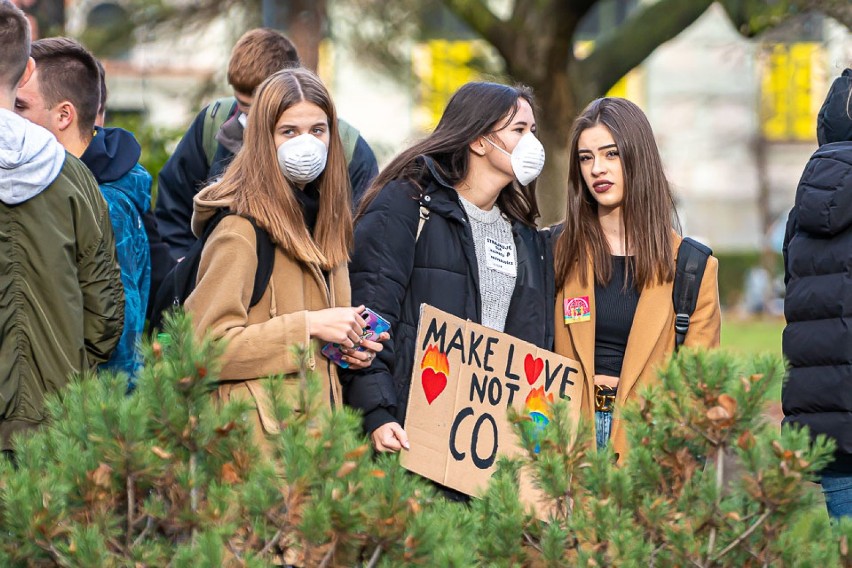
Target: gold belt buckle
[(604, 398)]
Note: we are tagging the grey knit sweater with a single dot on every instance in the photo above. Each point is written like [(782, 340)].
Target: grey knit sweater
[(495, 254)]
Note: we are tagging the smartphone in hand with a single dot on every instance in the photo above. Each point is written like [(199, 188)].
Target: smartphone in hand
[(375, 325)]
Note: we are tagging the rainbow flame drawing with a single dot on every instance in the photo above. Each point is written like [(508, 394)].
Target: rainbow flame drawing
[(435, 360), (537, 407)]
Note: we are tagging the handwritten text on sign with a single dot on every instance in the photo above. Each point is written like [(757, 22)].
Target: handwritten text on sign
[(465, 378)]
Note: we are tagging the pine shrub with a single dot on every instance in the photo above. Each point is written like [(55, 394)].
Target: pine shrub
[(164, 477)]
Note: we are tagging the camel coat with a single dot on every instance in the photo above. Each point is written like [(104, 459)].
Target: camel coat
[(259, 338), (651, 340)]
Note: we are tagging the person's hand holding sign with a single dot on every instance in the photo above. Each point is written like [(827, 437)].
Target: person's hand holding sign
[(389, 437)]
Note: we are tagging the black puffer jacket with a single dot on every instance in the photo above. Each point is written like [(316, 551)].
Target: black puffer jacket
[(393, 272), (818, 265)]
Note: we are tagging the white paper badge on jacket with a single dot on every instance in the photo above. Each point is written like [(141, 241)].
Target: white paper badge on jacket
[(500, 257)]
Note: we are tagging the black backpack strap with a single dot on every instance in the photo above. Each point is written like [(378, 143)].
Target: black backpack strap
[(691, 260), (264, 248), (265, 263)]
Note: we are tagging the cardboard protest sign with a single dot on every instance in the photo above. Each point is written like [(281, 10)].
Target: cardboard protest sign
[(465, 377)]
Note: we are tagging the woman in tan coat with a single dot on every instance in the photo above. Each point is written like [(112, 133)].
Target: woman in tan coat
[(615, 264), (290, 177)]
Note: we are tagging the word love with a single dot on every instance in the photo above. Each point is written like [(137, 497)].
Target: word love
[(481, 352)]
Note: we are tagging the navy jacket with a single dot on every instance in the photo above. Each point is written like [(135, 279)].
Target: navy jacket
[(392, 273), (187, 171), (817, 341)]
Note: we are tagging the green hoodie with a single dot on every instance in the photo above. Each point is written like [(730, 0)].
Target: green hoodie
[(61, 298)]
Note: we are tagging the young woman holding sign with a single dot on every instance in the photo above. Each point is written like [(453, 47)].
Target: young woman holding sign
[(450, 223), (615, 265)]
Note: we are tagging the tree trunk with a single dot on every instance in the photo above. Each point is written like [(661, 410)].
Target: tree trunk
[(304, 22), (557, 109), (553, 183)]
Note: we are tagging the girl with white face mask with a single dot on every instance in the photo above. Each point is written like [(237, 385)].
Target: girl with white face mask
[(451, 222), (290, 179)]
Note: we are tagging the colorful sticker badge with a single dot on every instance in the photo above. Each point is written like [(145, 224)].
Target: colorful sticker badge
[(577, 310)]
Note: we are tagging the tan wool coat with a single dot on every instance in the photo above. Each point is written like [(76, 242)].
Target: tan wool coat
[(650, 343), (259, 338)]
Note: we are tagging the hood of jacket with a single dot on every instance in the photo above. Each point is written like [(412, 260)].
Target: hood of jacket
[(30, 158), (824, 196), (834, 121), (205, 207), (111, 154), (210, 199)]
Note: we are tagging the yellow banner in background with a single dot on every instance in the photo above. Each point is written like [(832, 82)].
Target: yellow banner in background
[(442, 67), (793, 81)]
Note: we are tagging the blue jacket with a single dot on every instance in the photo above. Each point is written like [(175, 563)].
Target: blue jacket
[(113, 157)]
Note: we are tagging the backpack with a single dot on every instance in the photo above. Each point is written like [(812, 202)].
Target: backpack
[(691, 261), (220, 110), (181, 279)]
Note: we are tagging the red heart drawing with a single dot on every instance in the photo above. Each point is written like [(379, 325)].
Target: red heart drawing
[(532, 368), (433, 384)]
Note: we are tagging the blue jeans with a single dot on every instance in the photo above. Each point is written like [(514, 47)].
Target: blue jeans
[(603, 427), (837, 488)]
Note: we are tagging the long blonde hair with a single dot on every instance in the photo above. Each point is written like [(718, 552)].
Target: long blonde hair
[(259, 190)]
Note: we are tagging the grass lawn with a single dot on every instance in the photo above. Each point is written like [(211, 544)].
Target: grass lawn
[(752, 336)]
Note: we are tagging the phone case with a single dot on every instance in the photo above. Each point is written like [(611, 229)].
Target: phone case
[(376, 325)]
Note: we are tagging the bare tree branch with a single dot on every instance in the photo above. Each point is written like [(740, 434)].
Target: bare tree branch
[(840, 10), (630, 44), (480, 18), (752, 18), (743, 536)]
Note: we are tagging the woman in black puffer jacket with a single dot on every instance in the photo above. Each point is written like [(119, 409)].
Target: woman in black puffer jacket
[(818, 305), (419, 239)]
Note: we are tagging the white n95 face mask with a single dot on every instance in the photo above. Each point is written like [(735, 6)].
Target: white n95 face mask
[(527, 158), (302, 159)]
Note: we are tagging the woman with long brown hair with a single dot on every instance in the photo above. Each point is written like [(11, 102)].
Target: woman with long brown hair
[(615, 264), (290, 179), (450, 222)]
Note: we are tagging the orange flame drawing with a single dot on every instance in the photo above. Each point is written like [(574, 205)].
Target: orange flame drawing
[(435, 360), (537, 401)]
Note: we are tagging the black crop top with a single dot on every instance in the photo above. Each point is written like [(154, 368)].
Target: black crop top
[(615, 308)]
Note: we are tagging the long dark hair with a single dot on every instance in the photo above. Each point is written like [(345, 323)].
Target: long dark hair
[(648, 210), (475, 110)]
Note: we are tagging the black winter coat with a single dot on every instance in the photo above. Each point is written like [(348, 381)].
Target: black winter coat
[(393, 273), (818, 268)]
